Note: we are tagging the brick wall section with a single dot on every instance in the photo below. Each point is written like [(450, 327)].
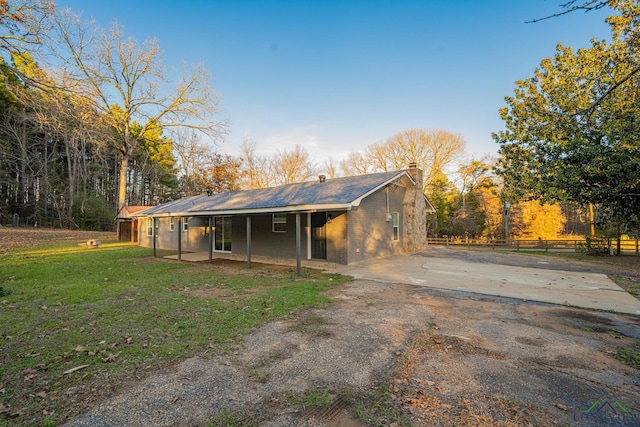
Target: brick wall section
[(264, 242), (337, 247), (415, 214), (370, 234), (194, 239)]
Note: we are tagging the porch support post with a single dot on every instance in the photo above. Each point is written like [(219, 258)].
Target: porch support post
[(248, 241), (298, 269), (210, 240), (308, 236), (154, 235), (180, 239)]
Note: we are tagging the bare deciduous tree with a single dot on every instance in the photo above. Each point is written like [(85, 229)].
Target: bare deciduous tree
[(282, 167), (191, 152), (255, 172), (330, 167), (431, 150), (201, 168), (291, 166), (355, 164), (23, 23), (115, 71)]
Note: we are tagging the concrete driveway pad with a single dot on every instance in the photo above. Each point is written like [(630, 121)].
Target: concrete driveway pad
[(436, 268)]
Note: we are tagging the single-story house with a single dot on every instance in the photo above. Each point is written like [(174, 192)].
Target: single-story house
[(127, 223), (341, 220)]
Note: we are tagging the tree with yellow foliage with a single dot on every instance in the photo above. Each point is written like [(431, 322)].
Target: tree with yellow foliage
[(534, 220)]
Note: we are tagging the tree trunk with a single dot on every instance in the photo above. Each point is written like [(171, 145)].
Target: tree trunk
[(487, 216), (122, 183), (71, 170), (23, 182)]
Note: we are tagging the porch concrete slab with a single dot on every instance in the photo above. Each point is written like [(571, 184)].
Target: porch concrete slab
[(190, 256), (204, 257), (579, 289)]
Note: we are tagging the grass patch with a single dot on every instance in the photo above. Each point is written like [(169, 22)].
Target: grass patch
[(311, 399), (82, 323), (233, 419), (629, 284), (379, 407), (629, 355)]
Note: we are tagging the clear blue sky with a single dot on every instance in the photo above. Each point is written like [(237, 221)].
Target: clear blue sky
[(336, 76)]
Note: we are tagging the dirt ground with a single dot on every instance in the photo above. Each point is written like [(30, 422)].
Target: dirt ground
[(396, 354), (440, 358)]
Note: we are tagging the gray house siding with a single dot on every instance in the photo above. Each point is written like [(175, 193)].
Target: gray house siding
[(194, 238), (370, 234), (266, 242), (337, 237)]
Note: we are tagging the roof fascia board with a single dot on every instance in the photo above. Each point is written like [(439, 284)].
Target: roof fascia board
[(429, 205), (357, 201), (292, 209)]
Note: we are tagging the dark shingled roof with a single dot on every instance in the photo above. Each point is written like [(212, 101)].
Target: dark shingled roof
[(337, 191)]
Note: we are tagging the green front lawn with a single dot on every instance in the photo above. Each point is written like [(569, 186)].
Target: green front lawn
[(76, 324)]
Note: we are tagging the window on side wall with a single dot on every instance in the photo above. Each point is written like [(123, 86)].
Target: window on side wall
[(279, 223), (172, 224), (149, 227), (185, 224), (396, 226)]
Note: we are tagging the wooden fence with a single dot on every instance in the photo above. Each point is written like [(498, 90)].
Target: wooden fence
[(627, 246)]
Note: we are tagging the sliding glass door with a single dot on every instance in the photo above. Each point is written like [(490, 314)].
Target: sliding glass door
[(222, 234)]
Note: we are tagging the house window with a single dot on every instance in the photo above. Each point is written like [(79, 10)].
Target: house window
[(149, 227), (172, 224), (396, 226), (185, 224), (279, 223)]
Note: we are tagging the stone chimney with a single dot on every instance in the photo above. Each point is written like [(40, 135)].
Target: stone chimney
[(415, 212), (413, 170), (322, 178)]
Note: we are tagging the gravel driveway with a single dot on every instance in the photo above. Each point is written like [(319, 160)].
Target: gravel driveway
[(441, 358)]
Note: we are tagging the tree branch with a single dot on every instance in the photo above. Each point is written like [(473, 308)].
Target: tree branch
[(570, 7)]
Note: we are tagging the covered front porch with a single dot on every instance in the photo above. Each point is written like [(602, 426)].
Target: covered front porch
[(275, 238)]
